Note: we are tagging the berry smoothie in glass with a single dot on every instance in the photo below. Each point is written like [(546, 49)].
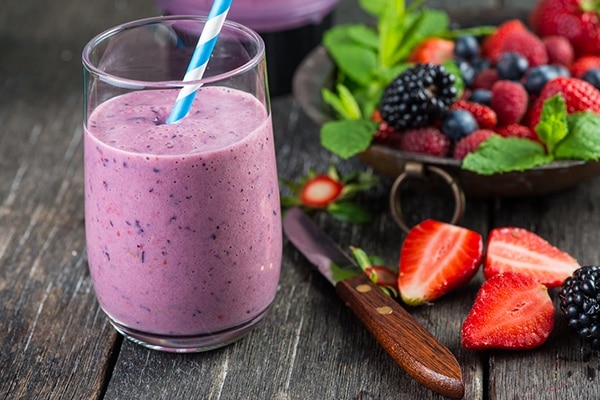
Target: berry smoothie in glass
[(183, 224)]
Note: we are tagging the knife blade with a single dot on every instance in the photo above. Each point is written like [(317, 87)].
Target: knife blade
[(414, 348)]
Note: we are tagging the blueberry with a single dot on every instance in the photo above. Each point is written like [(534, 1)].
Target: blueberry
[(592, 76), (562, 70), (466, 47), (458, 124), (511, 66), (479, 64), (481, 96), (467, 72), (537, 77)]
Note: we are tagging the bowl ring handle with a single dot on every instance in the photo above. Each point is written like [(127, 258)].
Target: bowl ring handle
[(418, 170)]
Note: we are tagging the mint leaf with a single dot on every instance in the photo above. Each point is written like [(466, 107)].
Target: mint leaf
[(552, 127), (373, 7), (350, 57), (343, 102), (419, 26), (498, 154), (347, 138), (583, 141), (364, 36), (391, 29)]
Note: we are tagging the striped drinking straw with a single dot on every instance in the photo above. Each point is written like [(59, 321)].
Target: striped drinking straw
[(197, 65)]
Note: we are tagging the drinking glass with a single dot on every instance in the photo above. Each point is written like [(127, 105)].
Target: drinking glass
[(183, 225)]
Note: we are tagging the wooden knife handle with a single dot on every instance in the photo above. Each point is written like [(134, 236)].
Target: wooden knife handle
[(420, 354)]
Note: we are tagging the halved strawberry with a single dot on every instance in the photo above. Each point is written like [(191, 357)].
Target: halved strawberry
[(320, 191), (437, 257), (511, 311), (514, 249)]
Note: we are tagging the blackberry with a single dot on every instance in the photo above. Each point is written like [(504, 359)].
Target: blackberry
[(417, 97), (580, 303)]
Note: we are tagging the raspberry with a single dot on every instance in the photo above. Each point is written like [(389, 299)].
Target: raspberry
[(509, 100), (485, 79), (425, 141), (486, 117), (559, 50), (417, 97), (516, 130), (470, 143), (384, 131)]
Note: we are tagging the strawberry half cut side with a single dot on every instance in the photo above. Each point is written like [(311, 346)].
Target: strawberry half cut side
[(320, 191), (437, 257), (511, 311), (512, 249)]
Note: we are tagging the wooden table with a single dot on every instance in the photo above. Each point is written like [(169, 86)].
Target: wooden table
[(56, 343)]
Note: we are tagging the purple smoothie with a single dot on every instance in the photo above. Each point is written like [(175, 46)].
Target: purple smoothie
[(183, 222)]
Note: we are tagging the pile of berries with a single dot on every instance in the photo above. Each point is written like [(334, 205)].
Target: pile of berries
[(507, 76)]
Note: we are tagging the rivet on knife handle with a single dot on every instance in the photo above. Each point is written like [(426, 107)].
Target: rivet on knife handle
[(393, 327)]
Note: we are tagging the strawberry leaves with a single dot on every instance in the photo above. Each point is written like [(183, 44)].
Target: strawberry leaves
[(330, 192), (381, 275)]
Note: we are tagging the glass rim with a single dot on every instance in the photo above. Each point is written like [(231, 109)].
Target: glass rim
[(141, 84)]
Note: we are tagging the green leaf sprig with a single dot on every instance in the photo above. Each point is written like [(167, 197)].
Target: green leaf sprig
[(561, 135)]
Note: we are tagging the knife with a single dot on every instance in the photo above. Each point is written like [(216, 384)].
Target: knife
[(420, 354)]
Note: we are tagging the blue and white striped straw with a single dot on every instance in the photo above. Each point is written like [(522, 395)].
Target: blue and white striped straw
[(197, 65)]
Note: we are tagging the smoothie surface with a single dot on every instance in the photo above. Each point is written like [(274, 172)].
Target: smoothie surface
[(215, 121)]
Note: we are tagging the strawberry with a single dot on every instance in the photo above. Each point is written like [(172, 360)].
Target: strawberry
[(519, 250), (437, 257), (470, 143), (320, 191), (578, 94), (513, 37), (329, 192), (584, 64), (493, 44), (432, 50), (381, 275), (509, 101), (577, 20), (511, 312), (425, 141), (559, 50), (486, 117)]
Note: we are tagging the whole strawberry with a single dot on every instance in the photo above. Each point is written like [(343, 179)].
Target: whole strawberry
[(513, 37), (577, 20), (578, 94)]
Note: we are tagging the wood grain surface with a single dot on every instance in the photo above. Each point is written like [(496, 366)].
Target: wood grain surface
[(55, 342)]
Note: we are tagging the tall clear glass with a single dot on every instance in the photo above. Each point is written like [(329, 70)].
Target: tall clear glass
[(183, 224)]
